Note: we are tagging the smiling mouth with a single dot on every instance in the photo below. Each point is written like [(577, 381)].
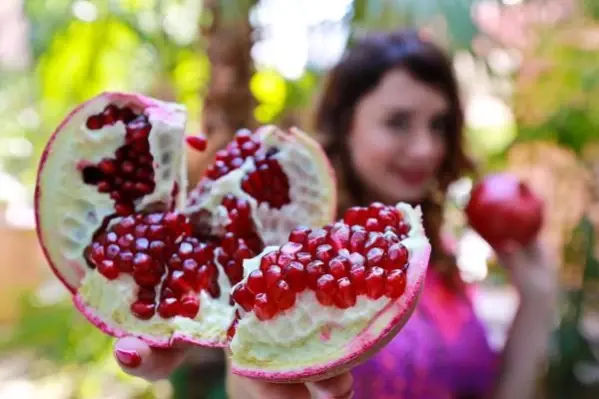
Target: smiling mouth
[(411, 177)]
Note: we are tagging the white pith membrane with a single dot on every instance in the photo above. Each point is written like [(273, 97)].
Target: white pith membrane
[(310, 340), (70, 211)]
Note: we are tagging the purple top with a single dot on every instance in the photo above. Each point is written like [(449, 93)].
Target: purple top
[(441, 353)]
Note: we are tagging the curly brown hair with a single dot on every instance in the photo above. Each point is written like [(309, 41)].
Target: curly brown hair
[(358, 73)]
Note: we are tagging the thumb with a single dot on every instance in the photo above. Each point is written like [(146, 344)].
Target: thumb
[(137, 358), (339, 387)]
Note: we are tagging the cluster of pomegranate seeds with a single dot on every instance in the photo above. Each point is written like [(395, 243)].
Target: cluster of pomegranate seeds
[(169, 266), (129, 175), (267, 182), (338, 262), (241, 223)]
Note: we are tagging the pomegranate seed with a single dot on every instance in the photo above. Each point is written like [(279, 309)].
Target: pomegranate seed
[(268, 260), (340, 236), (290, 248), (397, 257), (243, 296), (396, 284), (375, 282), (95, 122), (388, 218), (272, 275), (178, 282), (189, 306), (108, 269), (314, 270), (326, 288), (316, 238), (346, 296), (232, 329), (264, 308), (375, 257), (373, 224), (355, 215), (282, 295), (169, 307), (143, 310), (375, 240), (243, 136), (299, 234), (325, 253), (403, 228), (339, 266), (234, 271), (255, 282), (304, 257), (125, 262), (284, 259), (296, 276), (357, 241), (357, 275), (375, 208), (198, 143)]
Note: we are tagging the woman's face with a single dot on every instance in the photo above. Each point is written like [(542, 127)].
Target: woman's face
[(397, 141)]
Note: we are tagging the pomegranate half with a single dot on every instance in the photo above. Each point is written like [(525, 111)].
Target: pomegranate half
[(250, 259)]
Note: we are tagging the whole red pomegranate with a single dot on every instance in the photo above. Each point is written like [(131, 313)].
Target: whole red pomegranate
[(502, 208), (251, 259)]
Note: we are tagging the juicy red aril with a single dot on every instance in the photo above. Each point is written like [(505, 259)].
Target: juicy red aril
[(129, 175), (143, 309), (397, 257), (268, 183), (346, 295), (314, 270), (255, 282), (337, 262), (339, 266), (264, 308), (282, 295), (157, 251), (299, 234), (375, 283), (326, 288), (198, 143), (243, 296), (272, 275), (396, 284), (296, 276)]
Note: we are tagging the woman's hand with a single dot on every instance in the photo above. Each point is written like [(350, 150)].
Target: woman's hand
[(533, 272), (136, 358)]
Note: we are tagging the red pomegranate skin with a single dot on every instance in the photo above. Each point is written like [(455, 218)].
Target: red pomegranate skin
[(502, 208)]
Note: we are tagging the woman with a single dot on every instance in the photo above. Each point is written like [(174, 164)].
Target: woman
[(391, 122)]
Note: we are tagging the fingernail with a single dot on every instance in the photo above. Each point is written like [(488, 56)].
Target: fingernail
[(128, 358)]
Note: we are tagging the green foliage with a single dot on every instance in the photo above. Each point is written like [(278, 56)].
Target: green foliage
[(58, 333), (572, 349), (123, 47), (455, 15)]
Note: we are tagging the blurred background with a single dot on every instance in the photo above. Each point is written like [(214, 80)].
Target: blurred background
[(530, 78)]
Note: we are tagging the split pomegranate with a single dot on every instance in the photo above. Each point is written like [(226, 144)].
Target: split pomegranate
[(502, 208), (227, 263)]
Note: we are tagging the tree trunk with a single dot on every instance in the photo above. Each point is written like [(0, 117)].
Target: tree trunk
[(228, 107), (228, 103)]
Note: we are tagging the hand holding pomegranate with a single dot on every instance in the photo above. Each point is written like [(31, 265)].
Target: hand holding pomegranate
[(138, 359), (506, 213)]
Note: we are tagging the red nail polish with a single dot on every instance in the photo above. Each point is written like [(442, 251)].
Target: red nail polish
[(128, 358)]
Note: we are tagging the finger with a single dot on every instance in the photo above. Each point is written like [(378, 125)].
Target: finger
[(339, 387), (264, 390), (138, 359)]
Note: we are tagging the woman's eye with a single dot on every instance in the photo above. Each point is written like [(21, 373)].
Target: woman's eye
[(439, 125), (400, 122)]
